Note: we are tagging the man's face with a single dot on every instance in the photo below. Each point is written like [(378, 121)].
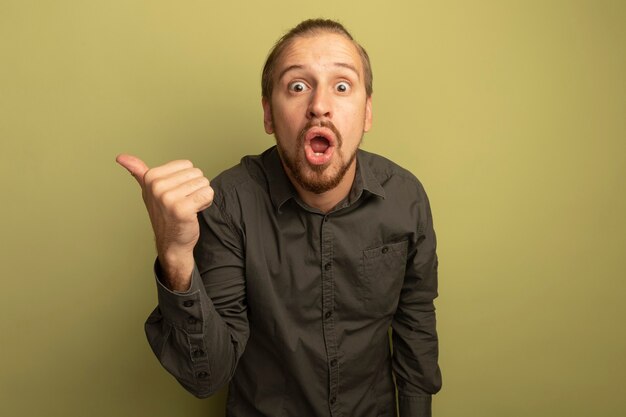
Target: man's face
[(319, 109)]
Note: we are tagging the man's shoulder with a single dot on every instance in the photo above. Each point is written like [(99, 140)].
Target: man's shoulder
[(386, 171), (247, 173), (400, 186), (238, 189)]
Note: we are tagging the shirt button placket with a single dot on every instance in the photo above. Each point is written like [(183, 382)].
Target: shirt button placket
[(328, 305)]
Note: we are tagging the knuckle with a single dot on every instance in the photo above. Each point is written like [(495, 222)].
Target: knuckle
[(204, 195), (203, 181), (156, 187), (167, 198), (185, 163)]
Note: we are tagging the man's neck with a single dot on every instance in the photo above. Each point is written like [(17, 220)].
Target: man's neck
[(326, 201)]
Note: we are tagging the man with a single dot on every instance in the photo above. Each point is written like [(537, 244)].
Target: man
[(285, 280)]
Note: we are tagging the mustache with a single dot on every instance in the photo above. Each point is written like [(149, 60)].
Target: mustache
[(322, 123)]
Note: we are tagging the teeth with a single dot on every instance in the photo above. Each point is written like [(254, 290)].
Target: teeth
[(318, 153)]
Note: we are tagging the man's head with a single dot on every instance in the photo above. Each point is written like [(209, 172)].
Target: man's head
[(317, 102), (311, 27)]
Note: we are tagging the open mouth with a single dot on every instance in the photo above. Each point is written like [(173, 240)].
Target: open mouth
[(319, 145)]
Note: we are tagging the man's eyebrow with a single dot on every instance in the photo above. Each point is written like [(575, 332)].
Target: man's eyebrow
[(289, 68), (348, 66), (337, 64)]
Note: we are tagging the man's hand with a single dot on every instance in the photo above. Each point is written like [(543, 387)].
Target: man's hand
[(173, 193)]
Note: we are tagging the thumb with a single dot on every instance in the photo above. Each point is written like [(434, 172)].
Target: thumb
[(134, 165)]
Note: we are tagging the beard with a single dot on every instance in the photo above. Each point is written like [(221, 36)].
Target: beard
[(315, 178)]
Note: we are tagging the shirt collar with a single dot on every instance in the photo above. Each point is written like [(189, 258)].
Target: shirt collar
[(281, 190), (366, 176)]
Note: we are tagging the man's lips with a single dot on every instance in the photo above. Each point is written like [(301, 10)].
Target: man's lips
[(319, 139), (319, 145), (322, 128)]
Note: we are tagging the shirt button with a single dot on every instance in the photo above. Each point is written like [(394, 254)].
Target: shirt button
[(188, 303), (333, 400), (191, 320), (328, 266), (385, 249), (333, 363), (202, 374), (328, 314), (197, 353)]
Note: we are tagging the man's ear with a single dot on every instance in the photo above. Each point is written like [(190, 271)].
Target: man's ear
[(267, 116), (368, 114)]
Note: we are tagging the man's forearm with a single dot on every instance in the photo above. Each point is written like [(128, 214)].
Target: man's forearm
[(192, 341)]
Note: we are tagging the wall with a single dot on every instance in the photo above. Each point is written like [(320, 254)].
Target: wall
[(510, 112)]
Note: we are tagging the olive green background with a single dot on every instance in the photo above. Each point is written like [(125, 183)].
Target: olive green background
[(510, 112)]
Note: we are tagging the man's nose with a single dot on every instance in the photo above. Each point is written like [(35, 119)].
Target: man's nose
[(320, 106)]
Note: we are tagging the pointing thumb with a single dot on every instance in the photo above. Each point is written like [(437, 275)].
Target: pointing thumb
[(134, 165)]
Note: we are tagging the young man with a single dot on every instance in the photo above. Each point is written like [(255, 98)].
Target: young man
[(284, 275)]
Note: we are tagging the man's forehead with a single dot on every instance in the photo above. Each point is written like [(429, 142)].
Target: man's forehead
[(323, 48)]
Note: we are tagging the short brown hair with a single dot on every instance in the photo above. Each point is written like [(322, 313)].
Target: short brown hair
[(308, 27)]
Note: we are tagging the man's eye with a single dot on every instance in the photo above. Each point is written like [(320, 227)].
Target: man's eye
[(297, 87), (342, 87)]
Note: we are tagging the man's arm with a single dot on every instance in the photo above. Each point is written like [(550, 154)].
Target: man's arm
[(414, 335), (199, 335), (199, 329)]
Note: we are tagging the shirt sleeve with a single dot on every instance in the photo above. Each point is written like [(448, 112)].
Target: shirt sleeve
[(414, 334), (199, 335)]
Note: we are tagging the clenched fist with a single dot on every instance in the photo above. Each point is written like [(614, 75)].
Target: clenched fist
[(173, 193)]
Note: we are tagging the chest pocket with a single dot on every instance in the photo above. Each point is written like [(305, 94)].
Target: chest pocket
[(382, 275)]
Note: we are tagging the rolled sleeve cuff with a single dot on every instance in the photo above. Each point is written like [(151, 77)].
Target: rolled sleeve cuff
[(415, 406), (182, 309)]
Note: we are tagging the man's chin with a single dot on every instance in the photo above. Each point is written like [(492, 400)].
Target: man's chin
[(319, 179), (318, 170), (315, 178), (317, 186)]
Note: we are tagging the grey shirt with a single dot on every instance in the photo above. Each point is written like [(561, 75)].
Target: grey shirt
[(293, 306)]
